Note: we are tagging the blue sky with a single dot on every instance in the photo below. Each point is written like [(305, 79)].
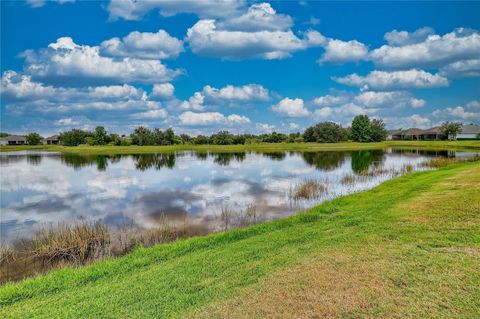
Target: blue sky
[(243, 66)]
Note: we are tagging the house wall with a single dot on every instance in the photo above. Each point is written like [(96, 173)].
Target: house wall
[(460, 136)]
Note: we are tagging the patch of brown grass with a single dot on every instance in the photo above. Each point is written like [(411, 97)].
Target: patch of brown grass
[(430, 207), (381, 279), (334, 285)]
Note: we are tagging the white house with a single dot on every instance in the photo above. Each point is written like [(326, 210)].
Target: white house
[(469, 131)]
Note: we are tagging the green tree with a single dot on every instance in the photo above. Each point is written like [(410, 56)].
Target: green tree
[(158, 137), (186, 138), (239, 139), (378, 131), (90, 140), (274, 137), (451, 129), (201, 140), (100, 136), (309, 134), (74, 137), (295, 138), (115, 139), (222, 138), (33, 139), (361, 129), (325, 132), (142, 136), (170, 138)]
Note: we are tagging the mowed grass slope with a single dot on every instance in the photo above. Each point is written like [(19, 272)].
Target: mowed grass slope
[(409, 248)]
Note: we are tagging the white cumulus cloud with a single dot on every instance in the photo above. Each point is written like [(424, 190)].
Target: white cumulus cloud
[(67, 122), (247, 92), (291, 108), (388, 99), (338, 52), (195, 102), (434, 51), (470, 112), (465, 68), (143, 45), (382, 80), (162, 91), (260, 16), (211, 118), (402, 38), (64, 59), (41, 3), (206, 39), (238, 119), (152, 114), (329, 100), (135, 10)]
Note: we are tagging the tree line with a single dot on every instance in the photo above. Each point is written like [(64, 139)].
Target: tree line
[(363, 129)]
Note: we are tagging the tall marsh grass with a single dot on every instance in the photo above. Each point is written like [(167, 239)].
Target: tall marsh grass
[(82, 243), (445, 161), (76, 243), (308, 189), (79, 244), (238, 218)]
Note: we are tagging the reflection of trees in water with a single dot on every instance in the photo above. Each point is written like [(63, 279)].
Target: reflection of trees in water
[(34, 159), (157, 161), (102, 162), (79, 161), (224, 159), (361, 160), (277, 156), (430, 153), (142, 161), (11, 158), (201, 155), (326, 160)]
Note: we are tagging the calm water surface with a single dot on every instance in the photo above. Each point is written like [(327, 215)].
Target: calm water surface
[(186, 187)]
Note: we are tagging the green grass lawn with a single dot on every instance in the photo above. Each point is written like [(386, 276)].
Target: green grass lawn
[(409, 248), (110, 150)]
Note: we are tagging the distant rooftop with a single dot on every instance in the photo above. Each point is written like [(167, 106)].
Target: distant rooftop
[(15, 138), (466, 129), (470, 129)]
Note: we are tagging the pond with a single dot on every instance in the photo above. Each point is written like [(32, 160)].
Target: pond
[(193, 189)]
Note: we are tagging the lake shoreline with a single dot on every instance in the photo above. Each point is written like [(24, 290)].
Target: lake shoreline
[(82, 242), (265, 147), (347, 216)]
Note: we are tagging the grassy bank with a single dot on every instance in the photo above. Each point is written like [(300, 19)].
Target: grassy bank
[(109, 150), (408, 248)]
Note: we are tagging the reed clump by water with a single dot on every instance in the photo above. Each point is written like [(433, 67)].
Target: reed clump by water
[(440, 162), (308, 189), (348, 179), (238, 218), (80, 244), (408, 168), (362, 176), (76, 243)]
